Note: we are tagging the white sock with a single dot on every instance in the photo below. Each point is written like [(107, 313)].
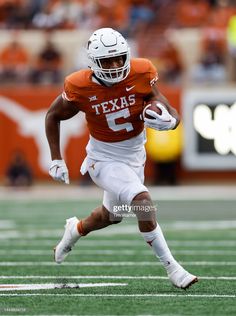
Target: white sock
[(158, 243), (74, 230)]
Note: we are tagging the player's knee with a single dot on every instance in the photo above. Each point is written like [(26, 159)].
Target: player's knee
[(147, 226), (145, 212), (129, 192), (143, 196)]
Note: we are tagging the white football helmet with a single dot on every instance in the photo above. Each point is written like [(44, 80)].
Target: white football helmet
[(107, 43)]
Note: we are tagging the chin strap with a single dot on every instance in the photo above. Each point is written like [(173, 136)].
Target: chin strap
[(102, 83)]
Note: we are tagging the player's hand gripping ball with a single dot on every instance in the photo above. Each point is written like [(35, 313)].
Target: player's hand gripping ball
[(153, 106), (156, 116)]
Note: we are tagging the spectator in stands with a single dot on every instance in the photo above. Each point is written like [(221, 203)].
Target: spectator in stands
[(44, 19), (36, 6), (60, 14), (90, 19), (192, 13), (213, 3), (18, 14), (19, 173), (7, 11), (141, 15), (170, 64), (221, 14), (14, 63), (211, 67), (113, 13), (68, 13), (48, 65)]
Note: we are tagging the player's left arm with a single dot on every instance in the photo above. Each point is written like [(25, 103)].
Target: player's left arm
[(156, 95)]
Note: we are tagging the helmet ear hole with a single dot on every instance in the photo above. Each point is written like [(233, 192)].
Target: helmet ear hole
[(107, 43), (89, 42)]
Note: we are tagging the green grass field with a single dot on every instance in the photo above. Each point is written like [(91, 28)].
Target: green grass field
[(201, 235)]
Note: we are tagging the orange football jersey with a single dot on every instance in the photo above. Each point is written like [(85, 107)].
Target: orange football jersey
[(112, 113)]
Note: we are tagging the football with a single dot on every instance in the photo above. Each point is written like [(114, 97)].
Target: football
[(153, 105)]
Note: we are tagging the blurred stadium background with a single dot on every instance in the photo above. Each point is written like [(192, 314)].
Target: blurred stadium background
[(193, 45)]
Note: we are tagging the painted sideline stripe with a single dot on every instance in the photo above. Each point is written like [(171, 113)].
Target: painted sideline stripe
[(115, 263), (122, 295), (116, 277), (33, 252), (48, 286)]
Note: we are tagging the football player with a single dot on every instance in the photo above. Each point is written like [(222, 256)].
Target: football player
[(112, 93)]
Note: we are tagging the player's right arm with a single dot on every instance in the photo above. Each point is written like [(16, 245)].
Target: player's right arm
[(60, 110)]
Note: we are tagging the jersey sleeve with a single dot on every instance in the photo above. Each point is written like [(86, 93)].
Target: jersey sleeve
[(70, 92), (153, 75), (147, 75)]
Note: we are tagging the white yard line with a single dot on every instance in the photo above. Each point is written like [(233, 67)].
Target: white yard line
[(107, 277), (124, 229), (203, 243), (7, 224), (121, 295), (105, 242), (94, 314), (5, 309), (52, 286), (33, 252), (75, 192), (113, 263), (200, 225)]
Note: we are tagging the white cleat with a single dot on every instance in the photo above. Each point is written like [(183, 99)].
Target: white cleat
[(182, 279), (68, 240)]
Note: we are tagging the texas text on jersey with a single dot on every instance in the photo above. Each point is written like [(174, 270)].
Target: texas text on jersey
[(115, 115)]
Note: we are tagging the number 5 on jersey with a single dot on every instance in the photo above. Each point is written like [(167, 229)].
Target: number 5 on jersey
[(111, 120)]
